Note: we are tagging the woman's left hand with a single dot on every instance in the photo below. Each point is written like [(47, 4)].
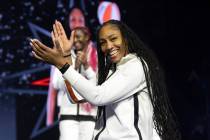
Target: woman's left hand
[(52, 56)]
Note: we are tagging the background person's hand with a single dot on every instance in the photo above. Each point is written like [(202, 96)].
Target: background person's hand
[(59, 34), (82, 58)]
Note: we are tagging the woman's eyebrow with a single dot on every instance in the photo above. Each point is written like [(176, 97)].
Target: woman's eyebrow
[(109, 36)]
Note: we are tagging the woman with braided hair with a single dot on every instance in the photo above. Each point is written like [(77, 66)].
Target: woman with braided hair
[(131, 93)]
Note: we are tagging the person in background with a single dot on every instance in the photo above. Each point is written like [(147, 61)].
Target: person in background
[(76, 121), (131, 91)]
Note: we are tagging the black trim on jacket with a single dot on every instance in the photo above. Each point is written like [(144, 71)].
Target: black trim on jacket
[(77, 118), (136, 115), (104, 126)]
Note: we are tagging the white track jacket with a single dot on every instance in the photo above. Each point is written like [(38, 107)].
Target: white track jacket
[(126, 109)]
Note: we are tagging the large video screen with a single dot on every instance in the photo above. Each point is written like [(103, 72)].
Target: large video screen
[(24, 81), (21, 20)]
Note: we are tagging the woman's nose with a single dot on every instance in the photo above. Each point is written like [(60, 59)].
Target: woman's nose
[(109, 45)]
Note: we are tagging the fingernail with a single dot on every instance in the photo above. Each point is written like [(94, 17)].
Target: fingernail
[(33, 53)]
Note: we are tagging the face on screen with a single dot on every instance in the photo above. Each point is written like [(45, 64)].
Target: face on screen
[(76, 19)]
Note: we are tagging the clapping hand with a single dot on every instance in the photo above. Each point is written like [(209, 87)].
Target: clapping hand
[(56, 55), (50, 55), (81, 59), (59, 38)]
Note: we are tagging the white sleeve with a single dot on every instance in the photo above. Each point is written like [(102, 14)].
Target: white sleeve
[(57, 79), (90, 75), (74, 97), (54, 77), (126, 81)]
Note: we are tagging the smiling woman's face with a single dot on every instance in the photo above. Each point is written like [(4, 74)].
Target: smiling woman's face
[(111, 42)]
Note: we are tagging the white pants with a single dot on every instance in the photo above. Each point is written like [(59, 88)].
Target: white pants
[(76, 130)]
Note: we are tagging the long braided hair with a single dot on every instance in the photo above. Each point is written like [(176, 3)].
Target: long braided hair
[(163, 115)]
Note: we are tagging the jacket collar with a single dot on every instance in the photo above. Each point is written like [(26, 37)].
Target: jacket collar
[(126, 58)]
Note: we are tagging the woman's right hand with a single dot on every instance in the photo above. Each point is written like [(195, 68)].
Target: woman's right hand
[(50, 55)]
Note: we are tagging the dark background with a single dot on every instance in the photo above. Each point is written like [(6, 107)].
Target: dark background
[(177, 30)]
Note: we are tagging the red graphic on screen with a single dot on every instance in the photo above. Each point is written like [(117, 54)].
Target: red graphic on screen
[(41, 82)]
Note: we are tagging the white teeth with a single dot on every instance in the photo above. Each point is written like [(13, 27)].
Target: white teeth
[(113, 52)]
